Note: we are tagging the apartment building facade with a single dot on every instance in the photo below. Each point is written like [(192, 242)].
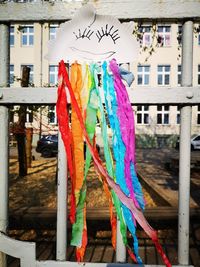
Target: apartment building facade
[(159, 65)]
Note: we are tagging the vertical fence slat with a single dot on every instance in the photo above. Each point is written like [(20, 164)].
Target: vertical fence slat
[(4, 134), (61, 238), (185, 147), (120, 247)]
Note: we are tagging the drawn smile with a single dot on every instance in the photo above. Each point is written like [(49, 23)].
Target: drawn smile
[(91, 55)]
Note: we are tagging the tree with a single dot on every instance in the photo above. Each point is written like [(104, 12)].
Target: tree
[(20, 129)]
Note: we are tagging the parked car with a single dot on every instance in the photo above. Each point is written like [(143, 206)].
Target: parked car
[(48, 146), (195, 143)]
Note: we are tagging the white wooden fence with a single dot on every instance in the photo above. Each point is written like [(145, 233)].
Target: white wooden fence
[(186, 96)]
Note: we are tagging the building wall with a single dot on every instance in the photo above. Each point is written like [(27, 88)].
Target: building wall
[(164, 55)]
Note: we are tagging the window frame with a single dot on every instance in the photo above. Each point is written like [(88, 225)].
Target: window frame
[(143, 113), (53, 74), (163, 74), (143, 74), (52, 110), (145, 31), (31, 66), (11, 74), (163, 114), (163, 35), (52, 36), (178, 115), (29, 115), (12, 35), (198, 115), (28, 34), (179, 72)]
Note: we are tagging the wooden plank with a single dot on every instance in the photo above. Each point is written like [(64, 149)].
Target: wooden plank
[(137, 95), (70, 253), (89, 253), (109, 254), (129, 9), (47, 253), (98, 253), (45, 218), (13, 262), (194, 256)]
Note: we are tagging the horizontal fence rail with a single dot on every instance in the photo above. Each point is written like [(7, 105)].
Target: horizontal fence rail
[(126, 10), (138, 95), (40, 11)]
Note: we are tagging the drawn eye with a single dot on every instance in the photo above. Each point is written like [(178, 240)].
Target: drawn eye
[(108, 32), (85, 34)]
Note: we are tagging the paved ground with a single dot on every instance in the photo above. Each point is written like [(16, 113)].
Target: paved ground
[(14, 154), (159, 169)]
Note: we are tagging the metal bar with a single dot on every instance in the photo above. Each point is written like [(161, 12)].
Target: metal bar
[(137, 95), (19, 249), (129, 9), (4, 63), (94, 264), (120, 247), (185, 148), (61, 234)]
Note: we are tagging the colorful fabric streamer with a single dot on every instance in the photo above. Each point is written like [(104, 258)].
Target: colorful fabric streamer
[(119, 150), (122, 180)]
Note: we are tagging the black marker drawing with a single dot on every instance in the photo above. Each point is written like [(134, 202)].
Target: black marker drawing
[(93, 37), (114, 34), (86, 34)]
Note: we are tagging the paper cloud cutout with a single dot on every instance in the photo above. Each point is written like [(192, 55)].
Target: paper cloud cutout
[(92, 37)]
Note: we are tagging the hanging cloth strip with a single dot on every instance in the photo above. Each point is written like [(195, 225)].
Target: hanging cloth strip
[(126, 120), (108, 157), (119, 151), (63, 122), (136, 212), (79, 228)]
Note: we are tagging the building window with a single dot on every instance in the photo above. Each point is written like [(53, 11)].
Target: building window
[(52, 114), (178, 115), (52, 31), (198, 74), (162, 114), (11, 74), (179, 75), (199, 38), (163, 74), (12, 35), (198, 114), (179, 34), (164, 35), (11, 116), (143, 114), (53, 75), (27, 35), (145, 32), (143, 75), (29, 115), (31, 80)]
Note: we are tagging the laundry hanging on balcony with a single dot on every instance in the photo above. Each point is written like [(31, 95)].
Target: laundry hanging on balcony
[(94, 45)]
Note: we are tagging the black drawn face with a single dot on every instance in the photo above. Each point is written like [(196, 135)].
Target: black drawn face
[(99, 43)]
